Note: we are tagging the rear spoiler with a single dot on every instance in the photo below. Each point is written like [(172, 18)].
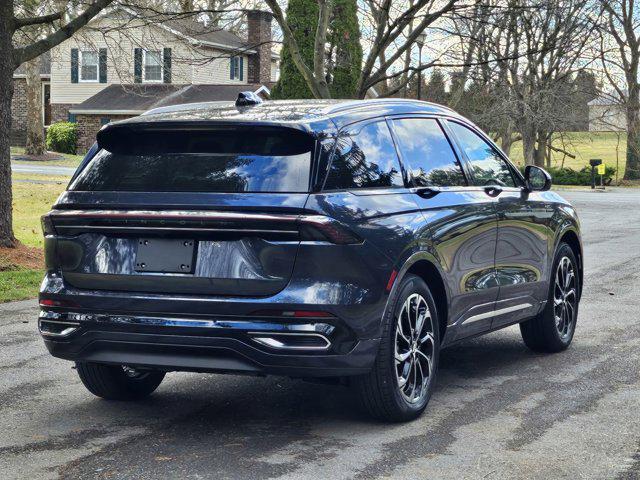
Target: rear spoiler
[(120, 136)]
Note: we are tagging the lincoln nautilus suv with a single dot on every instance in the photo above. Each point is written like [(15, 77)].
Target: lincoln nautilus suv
[(350, 240)]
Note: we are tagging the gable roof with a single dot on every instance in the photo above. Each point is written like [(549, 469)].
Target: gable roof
[(189, 28), (138, 98)]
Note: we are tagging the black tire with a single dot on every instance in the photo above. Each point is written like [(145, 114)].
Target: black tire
[(544, 333), (379, 390), (116, 382)]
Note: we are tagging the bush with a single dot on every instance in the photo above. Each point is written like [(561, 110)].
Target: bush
[(569, 176), (62, 137)]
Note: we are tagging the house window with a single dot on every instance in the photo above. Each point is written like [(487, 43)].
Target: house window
[(71, 117), (88, 66), (104, 121), (236, 68), (152, 65)]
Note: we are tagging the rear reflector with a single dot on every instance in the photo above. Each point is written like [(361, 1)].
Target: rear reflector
[(47, 302), (292, 313), (392, 279)]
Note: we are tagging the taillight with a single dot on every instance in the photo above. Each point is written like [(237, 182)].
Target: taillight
[(47, 302), (47, 225), (318, 227)]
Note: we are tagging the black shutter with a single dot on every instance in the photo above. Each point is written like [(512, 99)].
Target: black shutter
[(166, 71), (102, 65), (137, 65), (241, 68), (74, 65), (232, 61)]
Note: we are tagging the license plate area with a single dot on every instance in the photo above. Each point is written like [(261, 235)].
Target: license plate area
[(165, 255)]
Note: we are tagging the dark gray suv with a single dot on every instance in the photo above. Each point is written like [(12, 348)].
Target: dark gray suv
[(351, 240)]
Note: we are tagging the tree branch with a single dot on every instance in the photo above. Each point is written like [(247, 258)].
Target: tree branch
[(19, 23), (21, 55)]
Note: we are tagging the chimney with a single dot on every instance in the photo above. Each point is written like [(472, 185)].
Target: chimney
[(259, 37)]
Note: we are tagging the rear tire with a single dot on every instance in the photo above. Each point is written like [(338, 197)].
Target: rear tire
[(402, 379), (118, 382), (553, 329)]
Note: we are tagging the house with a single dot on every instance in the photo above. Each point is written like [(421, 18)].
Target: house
[(18, 135), (127, 61), (607, 114)]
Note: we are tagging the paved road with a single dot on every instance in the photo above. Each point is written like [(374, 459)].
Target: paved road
[(41, 169), (499, 412)]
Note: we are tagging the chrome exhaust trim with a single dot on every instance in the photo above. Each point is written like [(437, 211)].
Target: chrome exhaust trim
[(283, 341), (49, 328)]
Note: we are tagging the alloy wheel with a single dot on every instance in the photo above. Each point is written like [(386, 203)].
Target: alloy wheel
[(565, 298), (414, 348)]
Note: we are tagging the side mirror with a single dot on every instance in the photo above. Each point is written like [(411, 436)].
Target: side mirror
[(537, 179)]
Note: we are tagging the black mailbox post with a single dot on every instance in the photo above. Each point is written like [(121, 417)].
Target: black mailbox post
[(594, 162)]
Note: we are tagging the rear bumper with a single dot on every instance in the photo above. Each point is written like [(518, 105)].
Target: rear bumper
[(214, 345)]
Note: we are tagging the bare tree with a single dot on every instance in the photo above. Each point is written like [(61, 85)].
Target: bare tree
[(621, 28), (536, 46), (63, 25), (395, 31)]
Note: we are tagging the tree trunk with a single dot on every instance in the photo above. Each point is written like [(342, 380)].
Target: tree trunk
[(506, 139), (632, 170), (541, 148), (529, 145), (7, 238), (35, 128)]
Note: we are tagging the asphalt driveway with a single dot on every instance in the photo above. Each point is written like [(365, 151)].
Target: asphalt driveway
[(500, 411)]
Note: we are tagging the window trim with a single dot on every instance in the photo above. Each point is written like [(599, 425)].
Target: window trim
[(239, 65), (144, 66), (447, 135), (359, 124), (518, 180), (81, 54)]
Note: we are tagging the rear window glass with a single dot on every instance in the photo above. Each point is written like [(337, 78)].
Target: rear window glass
[(365, 158), (250, 161)]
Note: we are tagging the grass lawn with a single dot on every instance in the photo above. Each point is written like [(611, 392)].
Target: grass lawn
[(21, 269), (67, 161), (611, 147)]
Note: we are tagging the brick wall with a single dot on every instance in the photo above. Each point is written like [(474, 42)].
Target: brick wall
[(60, 112), (88, 126), (19, 112), (259, 37)]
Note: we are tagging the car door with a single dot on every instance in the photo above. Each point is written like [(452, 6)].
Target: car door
[(523, 231), (462, 222)]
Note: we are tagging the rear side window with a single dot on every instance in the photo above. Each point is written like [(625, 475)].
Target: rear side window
[(427, 153), (222, 161), (365, 158), (487, 166)]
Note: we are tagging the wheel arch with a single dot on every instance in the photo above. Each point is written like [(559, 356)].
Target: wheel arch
[(570, 237), (426, 267)]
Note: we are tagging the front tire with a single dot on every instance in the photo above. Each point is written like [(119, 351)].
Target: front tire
[(552, 330), (118, 382), (402, 379)]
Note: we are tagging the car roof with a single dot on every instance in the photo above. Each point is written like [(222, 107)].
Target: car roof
[(308, 115)]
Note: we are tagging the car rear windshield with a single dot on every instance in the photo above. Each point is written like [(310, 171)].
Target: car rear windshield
[(209, 161)]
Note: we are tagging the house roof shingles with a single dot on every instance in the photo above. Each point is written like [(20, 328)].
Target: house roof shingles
[(136, 99)]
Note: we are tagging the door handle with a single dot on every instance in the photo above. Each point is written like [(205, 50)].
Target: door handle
[(493, 190), (426, 192)]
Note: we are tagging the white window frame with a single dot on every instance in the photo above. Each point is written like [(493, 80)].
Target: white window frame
[(80, 55), (236, 71), (144, 66)]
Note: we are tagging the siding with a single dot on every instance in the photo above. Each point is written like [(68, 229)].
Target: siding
[(607, 118), (187, 60), (212, 67), (274, 70)]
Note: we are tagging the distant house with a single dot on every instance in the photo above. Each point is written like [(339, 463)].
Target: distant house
[(123, 63), (607, 114)]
